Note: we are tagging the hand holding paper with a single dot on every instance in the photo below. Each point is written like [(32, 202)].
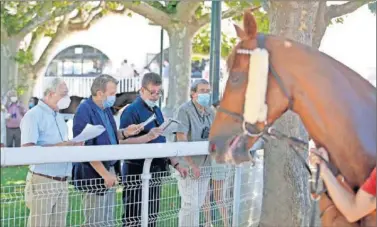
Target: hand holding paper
[(89, 132)]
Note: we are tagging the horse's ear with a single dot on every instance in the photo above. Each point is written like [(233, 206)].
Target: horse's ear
[(240, 33), (250, 25)]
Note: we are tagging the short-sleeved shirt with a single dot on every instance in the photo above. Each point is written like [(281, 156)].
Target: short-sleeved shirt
[(43, 126), (138, 112), (370, 184), (16, 112), (192, 125)]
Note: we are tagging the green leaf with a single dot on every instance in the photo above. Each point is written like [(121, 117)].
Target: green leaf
[(372, 7), (24, 57)]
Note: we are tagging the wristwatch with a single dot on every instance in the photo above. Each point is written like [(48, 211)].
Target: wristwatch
[(175, 166), (124, 136)]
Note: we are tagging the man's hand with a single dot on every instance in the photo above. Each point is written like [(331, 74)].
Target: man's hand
[(70, 143), (2, 145), (110, 180), (314, 156), (182, 171), (132, 130), (154, 133), (196, 171)]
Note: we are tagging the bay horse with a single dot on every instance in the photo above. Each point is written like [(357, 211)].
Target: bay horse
[(269, 75)]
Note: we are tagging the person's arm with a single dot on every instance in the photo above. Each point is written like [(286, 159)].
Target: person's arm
[(137, 140), (128, 118), (181, 134), (23, 110), (353, 207)]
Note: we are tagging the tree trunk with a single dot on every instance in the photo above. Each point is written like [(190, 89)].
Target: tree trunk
[(180, 51), (9, 67), (286, 192)]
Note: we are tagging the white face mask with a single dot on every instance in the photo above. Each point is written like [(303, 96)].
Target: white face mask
[(13, 99), (64, 103)]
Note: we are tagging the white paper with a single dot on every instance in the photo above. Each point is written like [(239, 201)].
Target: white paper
[(89, 132), (169, 127), (149, 120)]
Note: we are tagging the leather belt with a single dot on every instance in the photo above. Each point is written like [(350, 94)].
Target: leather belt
[(62, 179)]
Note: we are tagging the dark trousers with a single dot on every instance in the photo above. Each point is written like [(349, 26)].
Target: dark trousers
[(132, 195), (13, 135)]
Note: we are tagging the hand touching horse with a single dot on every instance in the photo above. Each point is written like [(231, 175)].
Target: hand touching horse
[(269, 75)]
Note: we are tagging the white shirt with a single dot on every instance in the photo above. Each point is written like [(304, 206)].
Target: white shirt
[(125, 71)]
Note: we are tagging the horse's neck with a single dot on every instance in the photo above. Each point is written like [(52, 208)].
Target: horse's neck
[(337, 108)]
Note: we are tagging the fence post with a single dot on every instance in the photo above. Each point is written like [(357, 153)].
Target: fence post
[(145, 177), (237, 195)]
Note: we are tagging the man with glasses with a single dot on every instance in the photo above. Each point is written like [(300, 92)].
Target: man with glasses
[(46, 189), (196, 117), (136, 113)]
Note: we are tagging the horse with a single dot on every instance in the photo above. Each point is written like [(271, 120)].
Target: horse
[(122, 99), (269, 75)]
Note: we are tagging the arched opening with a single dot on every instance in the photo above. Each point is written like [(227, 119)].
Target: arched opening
[(78, 61)]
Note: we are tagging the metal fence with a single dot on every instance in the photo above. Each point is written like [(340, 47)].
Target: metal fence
[(152, 199)]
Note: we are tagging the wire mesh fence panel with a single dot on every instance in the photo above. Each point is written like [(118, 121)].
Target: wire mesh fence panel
[(207, 200)]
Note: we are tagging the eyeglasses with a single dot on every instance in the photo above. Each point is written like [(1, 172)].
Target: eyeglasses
[(160, 92)]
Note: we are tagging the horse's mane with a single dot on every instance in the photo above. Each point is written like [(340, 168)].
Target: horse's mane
[(354, 76)]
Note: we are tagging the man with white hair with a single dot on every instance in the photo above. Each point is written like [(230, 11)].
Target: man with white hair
[(46, 190)]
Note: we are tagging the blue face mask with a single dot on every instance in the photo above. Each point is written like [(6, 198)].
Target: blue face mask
[(150, 103), (31, 105), (109, 102), (203, 99)]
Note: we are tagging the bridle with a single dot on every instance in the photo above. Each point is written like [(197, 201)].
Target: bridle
[(252, 130)]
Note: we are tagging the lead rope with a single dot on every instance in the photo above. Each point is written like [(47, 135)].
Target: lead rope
[(295, 143)]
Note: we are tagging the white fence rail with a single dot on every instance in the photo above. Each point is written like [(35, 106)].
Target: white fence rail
[(80, 86), (238, 205)]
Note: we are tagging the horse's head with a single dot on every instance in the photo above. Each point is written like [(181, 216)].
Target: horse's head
[(248, 105)]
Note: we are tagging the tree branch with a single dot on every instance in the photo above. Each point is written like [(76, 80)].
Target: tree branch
[(345, 8), (45, 15), (186, 10), (231, 12), (35, 39), (150, 12), (87, 18), (61, 32)]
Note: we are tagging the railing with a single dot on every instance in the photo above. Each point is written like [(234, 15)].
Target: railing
[(240, 200), (80, 86)]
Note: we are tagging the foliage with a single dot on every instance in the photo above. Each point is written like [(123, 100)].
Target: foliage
[(372, 7), (202, 44), (202, 40), (16, 15), (24, 57)]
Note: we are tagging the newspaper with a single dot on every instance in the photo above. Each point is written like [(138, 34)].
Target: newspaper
[(149, 120), (89, 132)]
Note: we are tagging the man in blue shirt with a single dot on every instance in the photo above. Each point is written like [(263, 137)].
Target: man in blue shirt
[(97, 178), (136, 113), (46, 189)]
